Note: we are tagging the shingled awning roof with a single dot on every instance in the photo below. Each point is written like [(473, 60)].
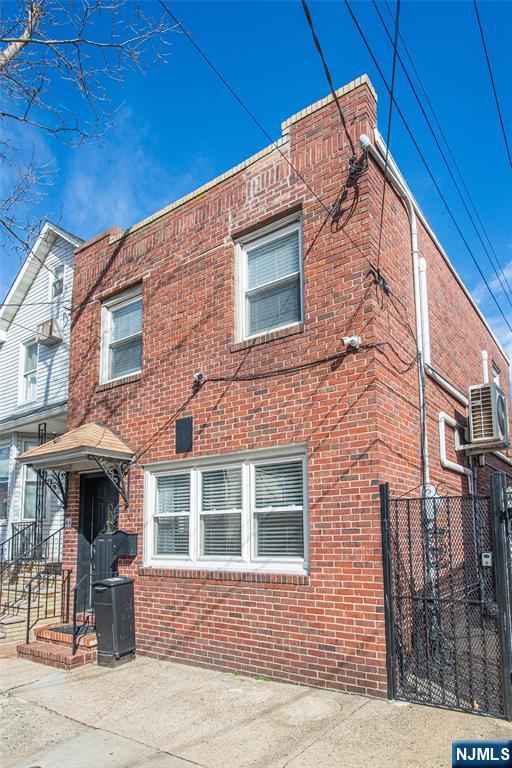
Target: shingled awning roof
[(72, 450)]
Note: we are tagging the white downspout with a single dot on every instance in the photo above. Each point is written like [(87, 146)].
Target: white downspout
[(445, 461), (401, 189), (485, 367)]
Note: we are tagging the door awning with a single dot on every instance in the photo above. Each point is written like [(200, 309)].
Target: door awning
[(78, 450)]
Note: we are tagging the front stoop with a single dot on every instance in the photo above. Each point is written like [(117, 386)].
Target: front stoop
[(54, 649)]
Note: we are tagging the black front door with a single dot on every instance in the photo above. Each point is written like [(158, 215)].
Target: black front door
[(98, 514)]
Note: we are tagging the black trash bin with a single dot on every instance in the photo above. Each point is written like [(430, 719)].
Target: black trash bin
[(115, 620)]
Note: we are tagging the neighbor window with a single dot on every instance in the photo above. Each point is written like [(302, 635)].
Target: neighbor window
[(247, 514), (4, 480), (29, 488), (29, 380), (57, 281), (496, 374), (122, 336), (270, 279)]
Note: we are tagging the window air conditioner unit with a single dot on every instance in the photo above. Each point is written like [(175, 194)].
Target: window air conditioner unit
[(488, 417), (48, 333)]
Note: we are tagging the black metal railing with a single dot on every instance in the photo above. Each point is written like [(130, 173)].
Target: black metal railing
[(24, 539), (44, 557), (47, 597)]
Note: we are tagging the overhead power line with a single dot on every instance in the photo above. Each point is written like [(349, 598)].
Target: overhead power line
[(427, 167), (241, 102), (390, 117), (493, 84), (327, 73), (446, 162), (328, 209), (449, 149)]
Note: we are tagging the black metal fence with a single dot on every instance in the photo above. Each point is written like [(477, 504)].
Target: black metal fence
[(446, 607)]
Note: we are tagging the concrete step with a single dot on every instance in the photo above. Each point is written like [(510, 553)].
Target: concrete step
[(54, 655), (13, 628)]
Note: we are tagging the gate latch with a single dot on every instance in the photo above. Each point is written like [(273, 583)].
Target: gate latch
[(486, 559)]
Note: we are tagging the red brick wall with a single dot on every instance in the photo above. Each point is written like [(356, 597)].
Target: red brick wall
[(358, 417), (457, 337)]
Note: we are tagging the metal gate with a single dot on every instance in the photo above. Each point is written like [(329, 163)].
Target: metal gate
[(447, 580)]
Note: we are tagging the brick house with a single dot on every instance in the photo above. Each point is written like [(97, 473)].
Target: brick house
[(254, 490)]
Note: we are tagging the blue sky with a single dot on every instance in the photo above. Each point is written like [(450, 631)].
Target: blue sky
[(177, 126)]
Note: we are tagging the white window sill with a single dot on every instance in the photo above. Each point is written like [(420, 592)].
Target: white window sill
[(277, 567)]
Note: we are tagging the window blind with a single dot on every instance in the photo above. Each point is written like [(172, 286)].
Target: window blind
[(173, 499), (172, 535), (279, 485), (274, 307), (222, 489), (126, 358), (173, 494), (273, 261), (279, 534), (221, 533), (127, 320), (279, 531)]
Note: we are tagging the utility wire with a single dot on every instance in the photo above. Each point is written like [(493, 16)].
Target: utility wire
[(388, 138), (242, 103), (425, 163), (450, 152), (327, 73), (328, 209), (493, 84), (445, 159)]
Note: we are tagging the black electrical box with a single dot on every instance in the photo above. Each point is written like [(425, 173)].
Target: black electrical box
[(115, 620), (184, 434)]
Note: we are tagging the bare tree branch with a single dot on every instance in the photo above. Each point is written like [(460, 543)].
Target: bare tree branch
[(60, 63)]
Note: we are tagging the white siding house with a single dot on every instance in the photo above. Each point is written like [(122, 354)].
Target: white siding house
[(34, 373)]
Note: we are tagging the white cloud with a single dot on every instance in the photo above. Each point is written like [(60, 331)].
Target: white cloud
[(121, 182)]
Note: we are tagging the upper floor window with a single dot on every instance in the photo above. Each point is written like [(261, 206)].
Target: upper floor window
[(121, 348), (247, 514), (496, 374), (4, 480), (270, 278), (57, 282), (29, 379)]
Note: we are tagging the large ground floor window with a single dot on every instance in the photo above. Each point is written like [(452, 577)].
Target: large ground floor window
[(242, 512)]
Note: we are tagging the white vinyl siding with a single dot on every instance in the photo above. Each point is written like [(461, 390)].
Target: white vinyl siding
[(122, 336), (4, 480), (29, 378), (270, 279), (246, 514), (53, 362)]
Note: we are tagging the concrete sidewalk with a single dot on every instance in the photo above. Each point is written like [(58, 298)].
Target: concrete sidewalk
[(155, 714)]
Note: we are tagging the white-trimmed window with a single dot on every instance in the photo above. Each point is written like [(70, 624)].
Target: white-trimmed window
[(4, 480), (121, 345), (496, 374), (29, 487), (248, 514), (270, 278), (29, 372), (57, 282)]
